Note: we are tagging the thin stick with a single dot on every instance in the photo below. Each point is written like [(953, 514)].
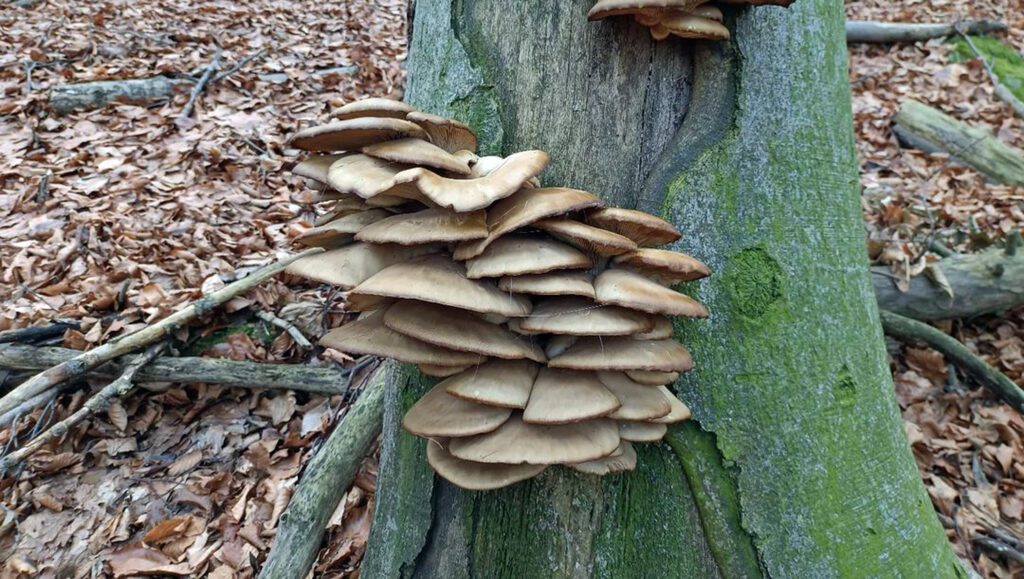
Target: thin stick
[(287, 326), (238, 66), (199, 87), (86, 361), (99, 402)]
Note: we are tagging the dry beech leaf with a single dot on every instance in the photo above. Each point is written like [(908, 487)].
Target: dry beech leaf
[(185, 463), (117, 415), (145, 561), (939, 278), (166, 529)]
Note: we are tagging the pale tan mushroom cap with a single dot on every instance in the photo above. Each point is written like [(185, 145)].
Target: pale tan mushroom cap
[(369, 335), (427, 226), (639, 402), (643, 228), (652, 378), (624, 353), (441, 371), (515, 255), (642, 431), (630, 290), (621, 461), (679, 412), (690, 26), (661, 330), (523, 208), (349, 266), (438, 413), (342, 206), (367, 177), (435, 279), (555, 283), (517, 442), (606, 8), (558, 344), (582, 236), (419, 153), (340, 231), (667, 267), (505, 383), (577, 316), (372, 107), (564, 396), (458, 330), (315, 167), (353, 134), (709, 11), (477, 476), (449, 134)]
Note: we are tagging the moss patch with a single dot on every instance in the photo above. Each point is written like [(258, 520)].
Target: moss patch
[(1007, 63), (753, 279), (255, 331)]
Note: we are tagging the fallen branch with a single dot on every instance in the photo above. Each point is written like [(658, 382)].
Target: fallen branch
[(987, 282), (999, 548), (325, 482), (92, 95), (26, 335), (99, 402), (186, 113), (889, 32), (297, 377), (1002, 92), (908, 330), (86, 361), (930, 130), (287, 326), (237, 66)]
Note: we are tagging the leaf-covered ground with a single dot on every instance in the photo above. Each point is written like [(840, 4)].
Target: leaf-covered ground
[(114, 217)]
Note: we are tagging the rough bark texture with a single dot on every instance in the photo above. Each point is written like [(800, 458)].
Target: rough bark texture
[(929, 129), (796, 465), (885, 32), (93, 95), (982, 283)]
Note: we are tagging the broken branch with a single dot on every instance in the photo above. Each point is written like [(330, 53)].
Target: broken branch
[(888, 32), (186, 113), (1002, 92), (237, 66), (287, 326)]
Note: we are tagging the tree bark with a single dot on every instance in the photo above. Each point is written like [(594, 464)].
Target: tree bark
[(886, 32), (796, 464), (923, 127)]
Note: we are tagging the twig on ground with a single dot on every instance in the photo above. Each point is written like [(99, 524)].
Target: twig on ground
[(287, 326), (81, 364), (25, 335), (214, 66), (1004, 93), (908, 330), (237, 66), (116, 389), (1000, 548)]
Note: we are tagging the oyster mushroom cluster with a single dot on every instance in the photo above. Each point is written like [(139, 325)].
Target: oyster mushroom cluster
[(546, 313), (694, 19)]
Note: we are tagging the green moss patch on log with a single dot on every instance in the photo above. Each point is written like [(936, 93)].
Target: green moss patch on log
[(1005, 60)]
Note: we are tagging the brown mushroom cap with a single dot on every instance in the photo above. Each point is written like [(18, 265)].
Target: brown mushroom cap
[(463, 195), (340, 231), (679, 412), (576, 316), (642, 431), (441, 371), (449, 134), (621, 461), (564, 396), (417, 152), (427, 226), (629, 290), (505, 383), (639, 402), (661, 330), (435, 279), (353, 264), (523, 208), (438, 413), (315, 167), (369, 335), (515, 255), (344, 205), (643, 228), (663, 266), (589, 239), (353, 134), (373, 107), (517, 442), (477, 476), (458, 330), (555, 283), (652, 378), (690, 26), (606, 8), (624, 353)]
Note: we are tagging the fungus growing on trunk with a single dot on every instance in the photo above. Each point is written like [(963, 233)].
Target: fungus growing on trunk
[(544, 315), (693, 19)]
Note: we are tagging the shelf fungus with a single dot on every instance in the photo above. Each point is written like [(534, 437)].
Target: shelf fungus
[(692, 19), (544, 315)]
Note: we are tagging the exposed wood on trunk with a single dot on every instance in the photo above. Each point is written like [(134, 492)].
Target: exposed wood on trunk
[(93, 95), (887, 32), (923, 127), (324, 483)]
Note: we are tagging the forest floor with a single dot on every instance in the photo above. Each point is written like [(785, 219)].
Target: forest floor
[(116, 216)]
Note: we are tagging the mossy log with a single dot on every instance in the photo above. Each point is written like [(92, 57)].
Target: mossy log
[(923, 127), (796, 464)]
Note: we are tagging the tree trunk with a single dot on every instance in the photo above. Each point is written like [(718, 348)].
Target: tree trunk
[(796, 464)]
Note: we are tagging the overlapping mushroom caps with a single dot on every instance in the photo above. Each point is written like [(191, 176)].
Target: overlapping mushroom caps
[(695, 19), (546, 315)]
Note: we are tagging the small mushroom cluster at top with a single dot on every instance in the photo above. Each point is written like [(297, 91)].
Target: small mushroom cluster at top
[(694, 19), (546, 313)]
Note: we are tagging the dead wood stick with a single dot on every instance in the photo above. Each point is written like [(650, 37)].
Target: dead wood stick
[(99, 402), (237, 66), (999, 547), (890, 32), (199, 87), (287, 326), (1002, 92), (86, 361), (325, 482), (34, 333), (299, 377), (908, 330)]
